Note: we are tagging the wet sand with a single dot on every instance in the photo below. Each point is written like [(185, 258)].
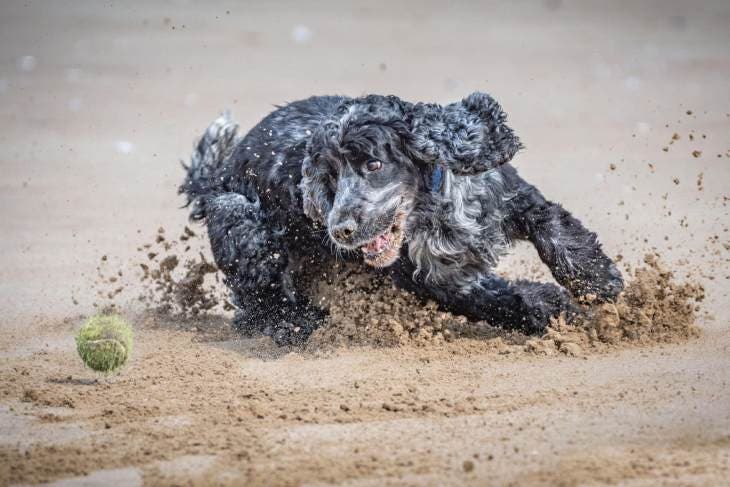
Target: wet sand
[(98, 103)]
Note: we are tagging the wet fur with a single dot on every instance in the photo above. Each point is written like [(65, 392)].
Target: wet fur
[(269, 197)]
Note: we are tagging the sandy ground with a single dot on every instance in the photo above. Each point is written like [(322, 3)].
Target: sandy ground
[(98, 102)]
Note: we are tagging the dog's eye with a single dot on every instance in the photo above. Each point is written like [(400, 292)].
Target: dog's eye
[(374, 165)]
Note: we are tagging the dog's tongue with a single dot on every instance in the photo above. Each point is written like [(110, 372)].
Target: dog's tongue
[(376, 245)]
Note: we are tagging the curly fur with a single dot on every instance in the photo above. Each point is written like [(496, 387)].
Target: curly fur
[(282, 200)]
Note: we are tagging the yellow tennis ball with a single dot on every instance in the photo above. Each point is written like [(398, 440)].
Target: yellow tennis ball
[(104, 342)]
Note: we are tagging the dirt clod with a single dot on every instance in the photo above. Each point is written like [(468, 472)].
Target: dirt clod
[(367, 311)]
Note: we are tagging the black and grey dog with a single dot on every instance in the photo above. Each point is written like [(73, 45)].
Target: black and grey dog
[(422, 192)]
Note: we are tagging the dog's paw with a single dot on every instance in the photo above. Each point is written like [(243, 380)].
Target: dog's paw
[(285, 333), (543, 303), (603, 284), (296, 326)]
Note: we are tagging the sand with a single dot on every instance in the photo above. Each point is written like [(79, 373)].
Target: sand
[(627, 128)]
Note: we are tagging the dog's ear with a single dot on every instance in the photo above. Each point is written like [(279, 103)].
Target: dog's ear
[(317, 194), (469, 136), (316, 185)]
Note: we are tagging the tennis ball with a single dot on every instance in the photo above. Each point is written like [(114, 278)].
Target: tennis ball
[(104, 342)]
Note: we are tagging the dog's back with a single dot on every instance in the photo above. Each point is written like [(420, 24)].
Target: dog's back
[(264, 164)]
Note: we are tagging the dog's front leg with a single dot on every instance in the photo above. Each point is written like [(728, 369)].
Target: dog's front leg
[(251, 251), (520, 305), (571, 251)]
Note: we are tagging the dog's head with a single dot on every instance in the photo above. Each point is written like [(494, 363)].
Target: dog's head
[(367, 164)]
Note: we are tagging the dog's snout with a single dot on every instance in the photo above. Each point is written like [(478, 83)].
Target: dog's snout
[(344, 230)]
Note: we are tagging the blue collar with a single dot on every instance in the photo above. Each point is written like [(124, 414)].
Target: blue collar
[(437, 179)]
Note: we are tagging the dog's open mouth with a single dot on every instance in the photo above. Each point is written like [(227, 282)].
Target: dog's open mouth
[(384, 249)]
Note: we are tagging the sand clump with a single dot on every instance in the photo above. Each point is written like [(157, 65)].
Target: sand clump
[(171, 277), (654, 308), (183, 292), (370, 311)]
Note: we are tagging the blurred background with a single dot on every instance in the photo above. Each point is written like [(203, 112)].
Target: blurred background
[(99, 101)]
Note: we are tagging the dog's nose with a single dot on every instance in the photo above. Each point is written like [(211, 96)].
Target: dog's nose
[(344, 230)]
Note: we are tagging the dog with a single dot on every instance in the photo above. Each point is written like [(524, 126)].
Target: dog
[(421, 192)]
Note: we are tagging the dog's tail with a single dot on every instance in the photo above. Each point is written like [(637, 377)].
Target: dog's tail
[(205, 174)]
